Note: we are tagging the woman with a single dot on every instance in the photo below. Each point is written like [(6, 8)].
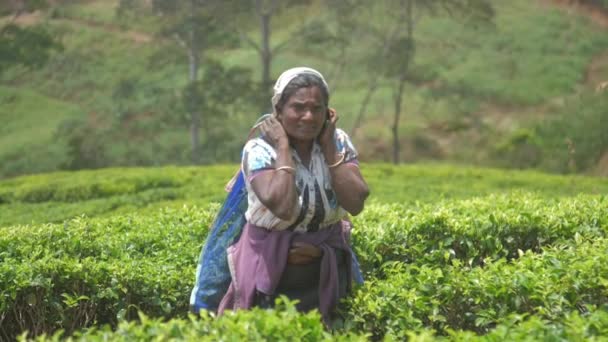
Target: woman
[(302, 178)]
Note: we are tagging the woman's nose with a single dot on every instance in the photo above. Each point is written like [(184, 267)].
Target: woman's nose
[(309, 115)]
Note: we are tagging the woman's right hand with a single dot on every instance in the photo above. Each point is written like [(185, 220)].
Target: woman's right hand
[(303, 253), (274, 132)]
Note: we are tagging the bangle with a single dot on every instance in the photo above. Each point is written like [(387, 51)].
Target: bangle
[(338, 162), (286, 168)]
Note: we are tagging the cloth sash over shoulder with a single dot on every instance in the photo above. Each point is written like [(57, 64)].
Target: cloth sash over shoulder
[(213, 275)]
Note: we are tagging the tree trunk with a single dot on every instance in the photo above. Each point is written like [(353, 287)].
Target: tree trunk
[(409, 4), (266, 52), (395, 128), (368, 96), (195, 122)]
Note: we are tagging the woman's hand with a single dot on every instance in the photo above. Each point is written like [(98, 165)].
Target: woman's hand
[(277, 189), (303, 253), (326, 138), (274, 132)]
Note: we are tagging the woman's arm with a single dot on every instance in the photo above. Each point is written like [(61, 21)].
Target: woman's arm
[(276, 189), (348, 183), (346, 179)]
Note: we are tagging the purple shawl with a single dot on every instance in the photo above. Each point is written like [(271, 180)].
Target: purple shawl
[(258, 259)]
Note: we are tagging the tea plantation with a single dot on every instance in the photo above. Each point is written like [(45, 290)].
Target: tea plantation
[(448, 252)]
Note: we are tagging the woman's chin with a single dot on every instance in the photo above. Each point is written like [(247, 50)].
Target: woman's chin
[(308, 135)]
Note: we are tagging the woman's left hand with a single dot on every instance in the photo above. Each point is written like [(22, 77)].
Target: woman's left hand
[(326, 138)]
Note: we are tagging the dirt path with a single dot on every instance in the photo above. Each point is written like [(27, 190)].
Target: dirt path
[(597, 71)]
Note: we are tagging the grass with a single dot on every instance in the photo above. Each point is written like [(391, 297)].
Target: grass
[(30, 121)]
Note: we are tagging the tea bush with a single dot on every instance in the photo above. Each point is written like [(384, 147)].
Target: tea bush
[(56, 197), (550, 284), (474, 231), (470, 257), (450, 265), (283, 323), (89, 271)]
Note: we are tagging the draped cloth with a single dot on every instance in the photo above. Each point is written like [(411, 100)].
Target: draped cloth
[(259, 258), (212, 272)]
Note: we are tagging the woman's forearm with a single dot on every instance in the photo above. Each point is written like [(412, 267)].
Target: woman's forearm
[(347, 182), (349, 186), (276, 189)]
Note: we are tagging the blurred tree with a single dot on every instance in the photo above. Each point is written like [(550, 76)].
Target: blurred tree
[(30, 47), (220, 102), (197, 26), (390, 58), (306, 31)]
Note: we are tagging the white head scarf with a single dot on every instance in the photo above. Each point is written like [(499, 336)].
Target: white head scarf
[(289, 75)]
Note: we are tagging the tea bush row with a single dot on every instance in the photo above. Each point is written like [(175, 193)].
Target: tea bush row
[(97, 271), (476, 230), (60, 196), (550, 284), (86, 185), (283, 323), (92, 271)]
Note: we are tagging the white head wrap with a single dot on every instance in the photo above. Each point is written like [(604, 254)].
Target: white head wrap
[(289, 75)]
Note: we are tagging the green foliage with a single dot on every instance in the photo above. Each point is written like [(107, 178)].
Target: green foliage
[(443, 262), (576, 138), (586, 326), (551, 284), (457, 68), (59, 196), (28, 47), (431, 182), (26, 146), (519, 150), (279, 324), (573, 140), (475, 232), (86, 271)]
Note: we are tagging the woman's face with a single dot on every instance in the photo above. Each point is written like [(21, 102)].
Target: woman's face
[(303, 114)]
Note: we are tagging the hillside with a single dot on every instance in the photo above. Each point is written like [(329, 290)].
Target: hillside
[(108, 98)]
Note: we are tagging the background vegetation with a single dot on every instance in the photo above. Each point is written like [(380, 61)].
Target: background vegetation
[(514, 86)]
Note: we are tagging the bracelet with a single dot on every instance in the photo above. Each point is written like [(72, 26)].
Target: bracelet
[(338, 162), (286, 168)]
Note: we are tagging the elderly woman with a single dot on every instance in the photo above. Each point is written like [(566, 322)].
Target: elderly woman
[(302, 178)]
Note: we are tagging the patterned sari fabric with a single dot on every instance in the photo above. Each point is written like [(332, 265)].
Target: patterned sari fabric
[(317, 202), (318, 209), (212, 272)]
